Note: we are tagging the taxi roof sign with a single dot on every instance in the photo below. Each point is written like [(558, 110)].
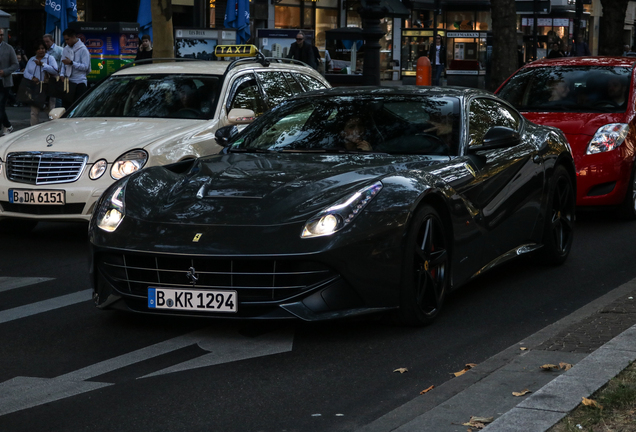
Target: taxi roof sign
[(235, 50)]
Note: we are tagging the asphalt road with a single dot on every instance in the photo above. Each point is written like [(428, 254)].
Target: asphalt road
[(65, 366)]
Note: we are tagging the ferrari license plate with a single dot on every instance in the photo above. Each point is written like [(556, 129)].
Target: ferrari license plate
[(190, 299), (40, 197)]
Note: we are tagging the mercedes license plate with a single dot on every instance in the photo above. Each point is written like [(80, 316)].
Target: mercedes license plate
[(191, 299), (40, 197)]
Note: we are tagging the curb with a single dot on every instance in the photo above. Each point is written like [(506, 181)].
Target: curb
[(486, 390)]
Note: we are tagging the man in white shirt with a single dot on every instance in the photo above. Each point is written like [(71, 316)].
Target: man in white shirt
[(76, 64), (8, 65), (54, 51)]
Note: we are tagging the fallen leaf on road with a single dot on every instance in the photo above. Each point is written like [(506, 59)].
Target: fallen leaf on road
[(468, 367), (592, 403), (565, 366), (521, 393), (401, 370), (478, 422), (523, 348), (548, 367), (427, 390)]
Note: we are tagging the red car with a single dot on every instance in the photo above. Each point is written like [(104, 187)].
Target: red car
[(592, 100)]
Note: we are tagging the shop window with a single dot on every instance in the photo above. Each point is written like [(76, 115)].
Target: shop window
[(326, 19), (287, 17), (460, 20), (484, 21)]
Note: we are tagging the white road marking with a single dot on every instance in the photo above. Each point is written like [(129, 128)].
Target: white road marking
[(9, 283), (224, 345), (44, 306)]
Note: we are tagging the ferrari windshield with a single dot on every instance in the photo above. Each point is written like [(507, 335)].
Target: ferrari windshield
[(154, 96), (395, 124), (569, 89)]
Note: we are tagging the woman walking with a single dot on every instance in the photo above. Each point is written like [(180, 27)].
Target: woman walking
[(38, 70)]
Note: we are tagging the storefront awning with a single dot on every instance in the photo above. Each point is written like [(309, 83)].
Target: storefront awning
[(4, 19), (395, 8)]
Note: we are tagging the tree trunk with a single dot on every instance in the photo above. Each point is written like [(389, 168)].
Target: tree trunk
[(612, 25), (162, 33), (504, 41)]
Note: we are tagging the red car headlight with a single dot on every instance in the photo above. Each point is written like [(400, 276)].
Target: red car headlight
[(608, 138)]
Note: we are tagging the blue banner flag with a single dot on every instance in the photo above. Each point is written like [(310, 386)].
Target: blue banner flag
[(144, 18), (59, 13), (237, 15)]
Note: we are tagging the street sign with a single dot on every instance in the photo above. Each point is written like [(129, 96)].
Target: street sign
[(527, 6)]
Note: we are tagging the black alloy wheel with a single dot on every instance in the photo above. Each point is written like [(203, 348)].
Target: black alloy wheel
[(426, 271), (559, 228)]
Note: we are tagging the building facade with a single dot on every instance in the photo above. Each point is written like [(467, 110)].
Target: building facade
[(465, 26)]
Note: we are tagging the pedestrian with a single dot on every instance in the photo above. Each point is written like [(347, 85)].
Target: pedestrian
[(580, 47), (52, 49), (145, 49), (22, 60), (625, 50), (437, 56), (55, 51), (8, 65), (302, 50), (38, 69), (76, 64), (555, 51), (318, 59)]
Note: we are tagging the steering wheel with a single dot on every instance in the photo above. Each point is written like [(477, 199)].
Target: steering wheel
[(605, 103), (431, 137)]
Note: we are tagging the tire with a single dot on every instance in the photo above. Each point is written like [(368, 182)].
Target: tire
[(558, 231), (627, 209), (426, 269)]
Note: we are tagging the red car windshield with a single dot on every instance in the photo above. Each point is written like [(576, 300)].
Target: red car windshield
[(569, 89)]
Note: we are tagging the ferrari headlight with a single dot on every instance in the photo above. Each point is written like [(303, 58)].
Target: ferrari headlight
[(98, 169), (112, 209), (341, 213), (608, 138), (128, 164)]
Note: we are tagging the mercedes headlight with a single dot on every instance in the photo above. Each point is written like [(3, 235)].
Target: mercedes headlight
[(608, 138), (98, 169), (112, 209), (341, 213), (128, 163)]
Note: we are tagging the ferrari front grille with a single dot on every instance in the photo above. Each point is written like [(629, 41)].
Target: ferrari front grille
[(45, 167), (255, 280)]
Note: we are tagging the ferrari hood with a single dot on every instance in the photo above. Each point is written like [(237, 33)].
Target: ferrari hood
[(97, 137), (271, 189)]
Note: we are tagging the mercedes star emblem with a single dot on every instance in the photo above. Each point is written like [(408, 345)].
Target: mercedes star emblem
[(50, 139)]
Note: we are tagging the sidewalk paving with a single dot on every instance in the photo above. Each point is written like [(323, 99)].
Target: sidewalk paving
[(598, 339)]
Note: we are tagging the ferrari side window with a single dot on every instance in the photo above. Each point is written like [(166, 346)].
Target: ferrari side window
[(275, 87), (246, 94), (486, 113)]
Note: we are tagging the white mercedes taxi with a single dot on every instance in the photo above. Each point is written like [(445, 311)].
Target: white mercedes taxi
[(141, 116)]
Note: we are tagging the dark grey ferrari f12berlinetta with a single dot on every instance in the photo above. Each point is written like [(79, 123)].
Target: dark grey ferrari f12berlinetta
[(338, 203)]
